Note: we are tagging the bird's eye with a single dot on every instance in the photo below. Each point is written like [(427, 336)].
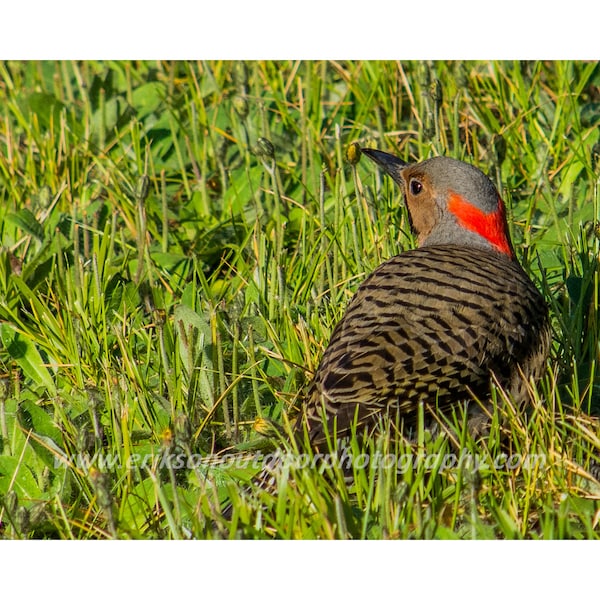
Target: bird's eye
[(415, 187)]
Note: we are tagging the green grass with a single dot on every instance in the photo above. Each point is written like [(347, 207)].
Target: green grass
[(178, 241)]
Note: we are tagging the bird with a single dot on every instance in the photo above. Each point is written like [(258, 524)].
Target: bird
[(434, 325)]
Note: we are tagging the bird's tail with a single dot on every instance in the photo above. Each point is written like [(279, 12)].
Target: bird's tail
[(295, 448), (264, 481)]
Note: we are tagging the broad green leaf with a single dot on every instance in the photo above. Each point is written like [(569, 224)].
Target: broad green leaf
[(44, 436), (17, 476), (242, 188), (148, 98), (195, 346), (46, 107), (26, 221), (23, 351)]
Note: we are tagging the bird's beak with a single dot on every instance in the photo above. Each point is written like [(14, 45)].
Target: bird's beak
[(391, 164)]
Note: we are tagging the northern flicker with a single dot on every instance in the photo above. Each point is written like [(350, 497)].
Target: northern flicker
[(435, 324)]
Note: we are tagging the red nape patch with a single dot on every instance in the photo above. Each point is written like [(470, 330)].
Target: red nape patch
[(491, 226)]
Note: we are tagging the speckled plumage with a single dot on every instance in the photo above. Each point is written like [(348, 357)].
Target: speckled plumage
[(430, 325)]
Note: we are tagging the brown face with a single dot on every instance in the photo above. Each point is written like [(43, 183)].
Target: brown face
[(449, 202), (420, 200)]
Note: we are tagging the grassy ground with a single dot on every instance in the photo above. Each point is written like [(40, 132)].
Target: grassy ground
[(177, 242)]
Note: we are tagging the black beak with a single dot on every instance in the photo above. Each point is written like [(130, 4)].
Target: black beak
[(391, 164)]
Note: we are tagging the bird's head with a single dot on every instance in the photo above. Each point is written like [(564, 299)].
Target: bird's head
[(449, 202)]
